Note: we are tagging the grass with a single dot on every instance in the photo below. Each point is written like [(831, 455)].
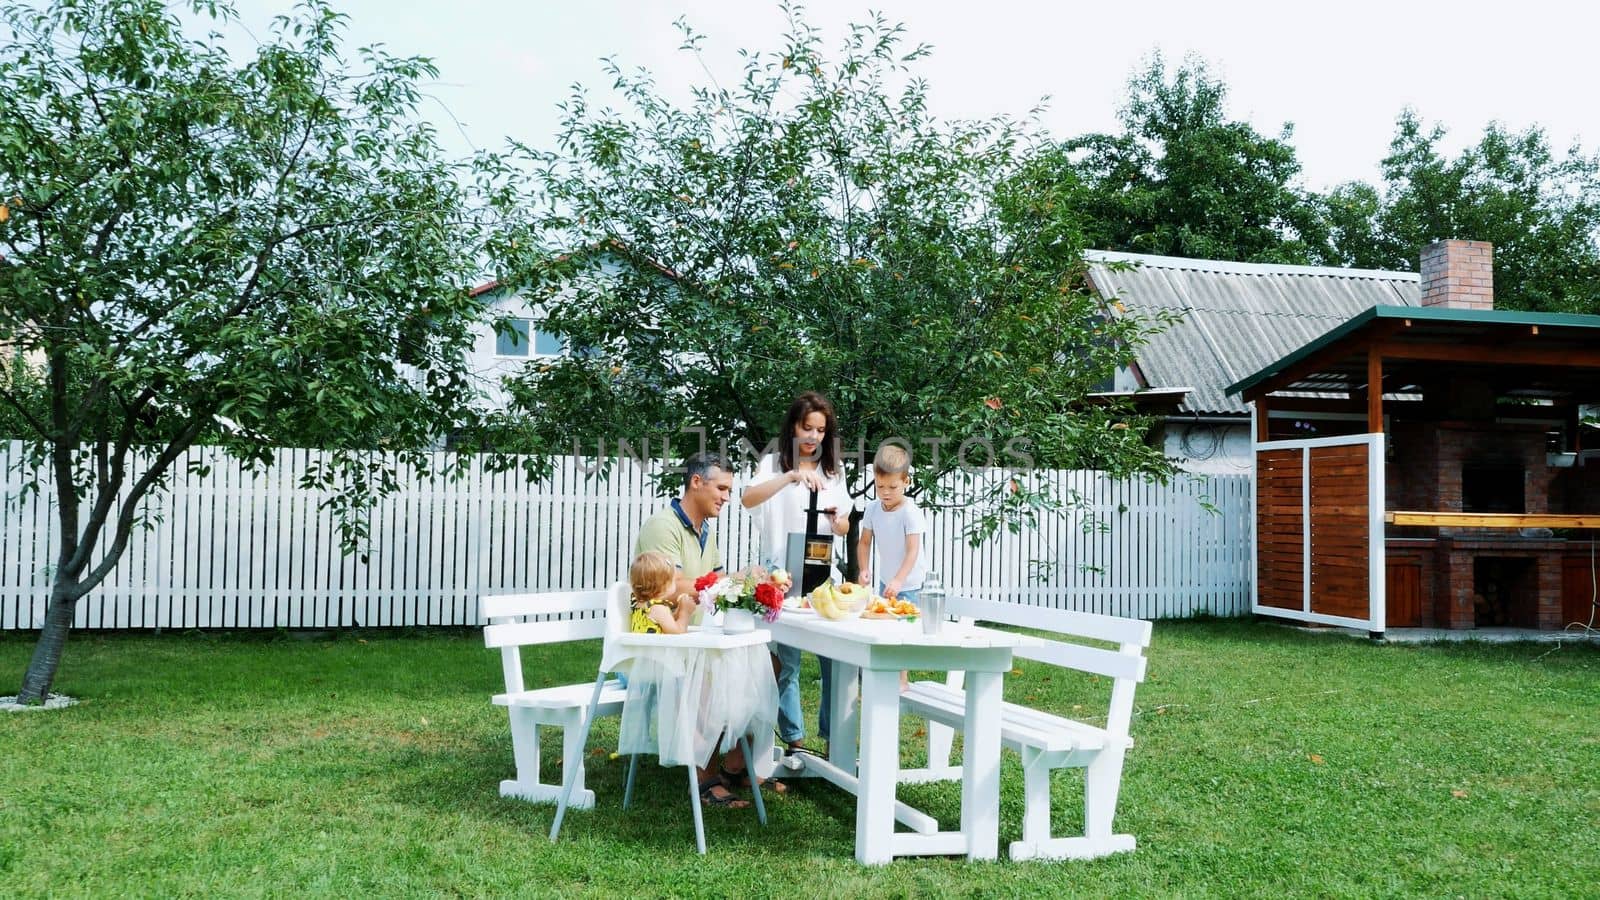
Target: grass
[(1269, 762)]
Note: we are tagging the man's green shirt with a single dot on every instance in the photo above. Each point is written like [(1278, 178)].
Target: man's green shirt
[(668, 531)]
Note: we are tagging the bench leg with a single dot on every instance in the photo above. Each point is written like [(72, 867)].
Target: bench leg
[(1102, 782), (573, 738), (1036, 797), (941, 740), (525, 744), (525, 727)]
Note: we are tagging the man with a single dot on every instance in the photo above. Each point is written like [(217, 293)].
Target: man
[(680, 531)]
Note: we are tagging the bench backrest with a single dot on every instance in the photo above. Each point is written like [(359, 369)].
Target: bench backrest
[(1124, 665), (516, 620)]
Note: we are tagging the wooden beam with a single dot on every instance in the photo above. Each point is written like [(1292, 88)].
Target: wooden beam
[(1493, 520), (1350, 345), (1374, 390), (1261, 419), (1585, 358)]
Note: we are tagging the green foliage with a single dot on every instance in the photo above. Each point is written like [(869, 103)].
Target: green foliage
[(21, 380), (1540, 209), (1182, 179), (254, 253), (814, 227)]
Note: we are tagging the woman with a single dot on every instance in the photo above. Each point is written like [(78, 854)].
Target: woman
[(807, 460)]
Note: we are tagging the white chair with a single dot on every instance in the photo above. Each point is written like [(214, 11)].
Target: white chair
[(621, 646), (526, 620)]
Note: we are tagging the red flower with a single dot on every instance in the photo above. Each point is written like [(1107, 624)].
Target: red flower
[(706, 580), (768, 595)]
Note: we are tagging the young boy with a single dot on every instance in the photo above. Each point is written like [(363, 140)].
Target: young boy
[(896, 522)]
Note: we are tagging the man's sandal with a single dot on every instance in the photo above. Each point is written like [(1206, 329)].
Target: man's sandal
[(741, 779), (728, 799)]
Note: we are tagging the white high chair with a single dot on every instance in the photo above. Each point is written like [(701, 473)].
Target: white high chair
[(621, 646)]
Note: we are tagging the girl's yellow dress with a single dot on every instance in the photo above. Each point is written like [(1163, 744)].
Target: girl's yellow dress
[(640, 621)]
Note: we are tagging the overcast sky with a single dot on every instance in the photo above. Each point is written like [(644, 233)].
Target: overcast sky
[(1340, 73)]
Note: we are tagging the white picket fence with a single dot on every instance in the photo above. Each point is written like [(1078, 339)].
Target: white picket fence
[(235, 549)]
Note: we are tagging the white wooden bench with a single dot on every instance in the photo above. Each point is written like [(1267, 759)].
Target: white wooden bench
[(1047, 741), (515, 621)]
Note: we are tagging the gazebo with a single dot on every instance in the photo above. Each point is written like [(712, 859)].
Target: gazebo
[(1426, 466)]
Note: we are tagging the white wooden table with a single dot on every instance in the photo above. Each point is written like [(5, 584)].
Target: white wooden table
[(879, 650)]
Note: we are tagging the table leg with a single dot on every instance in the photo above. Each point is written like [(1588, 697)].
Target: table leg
[(880, 762), (845, 717), (980, 768)]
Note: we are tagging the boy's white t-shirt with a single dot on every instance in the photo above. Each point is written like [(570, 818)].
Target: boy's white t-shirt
[(889, 530), (785, 511)]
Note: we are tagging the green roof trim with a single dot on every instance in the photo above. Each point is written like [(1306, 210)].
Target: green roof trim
[(1442, 314)]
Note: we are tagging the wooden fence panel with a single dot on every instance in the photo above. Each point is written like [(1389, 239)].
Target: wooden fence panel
[(1280, 558)]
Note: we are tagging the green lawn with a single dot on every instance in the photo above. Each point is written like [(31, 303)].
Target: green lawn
[(1268, 762)]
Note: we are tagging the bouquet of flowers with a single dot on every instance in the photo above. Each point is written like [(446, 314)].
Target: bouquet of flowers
[(754, 590)]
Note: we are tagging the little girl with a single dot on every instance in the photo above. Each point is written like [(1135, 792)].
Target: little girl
[(654, 612)]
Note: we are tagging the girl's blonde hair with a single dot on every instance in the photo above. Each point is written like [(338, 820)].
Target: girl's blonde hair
[(651, 576)]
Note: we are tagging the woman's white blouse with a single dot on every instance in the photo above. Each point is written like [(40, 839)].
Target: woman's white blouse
[(785, 512)]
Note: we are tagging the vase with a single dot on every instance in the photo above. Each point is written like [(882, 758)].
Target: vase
[(738, 621)]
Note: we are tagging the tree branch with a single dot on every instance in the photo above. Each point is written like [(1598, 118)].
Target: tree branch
[(128, 512), (28, 417)]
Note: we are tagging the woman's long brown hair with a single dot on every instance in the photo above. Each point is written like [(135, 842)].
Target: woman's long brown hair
[(803, 406)]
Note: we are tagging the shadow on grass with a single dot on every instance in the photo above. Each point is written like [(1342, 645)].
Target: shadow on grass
[(812, 818)]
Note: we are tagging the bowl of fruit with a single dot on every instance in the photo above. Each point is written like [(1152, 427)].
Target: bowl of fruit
[(840, 601)]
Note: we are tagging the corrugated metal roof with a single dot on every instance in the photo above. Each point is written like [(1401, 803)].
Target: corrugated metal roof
[(1238, 318)]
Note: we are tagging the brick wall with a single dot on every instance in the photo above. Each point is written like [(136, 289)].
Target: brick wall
[(1458, 274), (1425, 471), (1438, 453)]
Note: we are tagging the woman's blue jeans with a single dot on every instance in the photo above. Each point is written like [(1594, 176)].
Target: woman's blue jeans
[(791, 719)]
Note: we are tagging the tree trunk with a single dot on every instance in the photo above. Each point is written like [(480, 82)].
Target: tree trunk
[(41, 672)]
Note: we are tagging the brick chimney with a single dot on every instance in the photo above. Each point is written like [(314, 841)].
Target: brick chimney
[(1458, 274)]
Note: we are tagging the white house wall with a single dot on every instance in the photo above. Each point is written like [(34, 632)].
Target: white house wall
[(1210, 448)]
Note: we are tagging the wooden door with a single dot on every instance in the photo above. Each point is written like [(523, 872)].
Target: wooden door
[(1578, 585), (1341, 532), (1403, 592)]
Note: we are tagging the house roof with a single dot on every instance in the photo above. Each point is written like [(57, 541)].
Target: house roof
[(609, 246), (1424, 338), (1238, 318)]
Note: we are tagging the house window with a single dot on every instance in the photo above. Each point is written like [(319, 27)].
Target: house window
[(546, 344), (515, 341)]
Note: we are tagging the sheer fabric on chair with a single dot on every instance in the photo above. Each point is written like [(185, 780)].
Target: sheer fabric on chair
[(682, 700)]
